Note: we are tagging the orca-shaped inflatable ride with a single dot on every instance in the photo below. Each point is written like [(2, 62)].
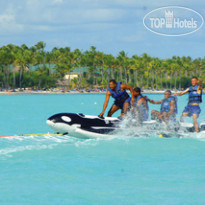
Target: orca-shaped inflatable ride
[(80, 125)]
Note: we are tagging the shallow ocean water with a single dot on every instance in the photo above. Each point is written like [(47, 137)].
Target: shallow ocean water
[(48, 169)]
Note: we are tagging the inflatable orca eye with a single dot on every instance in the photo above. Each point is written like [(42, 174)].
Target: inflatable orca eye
[(66, 119)]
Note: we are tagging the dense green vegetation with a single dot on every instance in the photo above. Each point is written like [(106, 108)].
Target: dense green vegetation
[(52, 66)]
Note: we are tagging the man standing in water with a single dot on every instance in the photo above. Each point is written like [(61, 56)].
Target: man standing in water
[(195, 97), (122, 100)]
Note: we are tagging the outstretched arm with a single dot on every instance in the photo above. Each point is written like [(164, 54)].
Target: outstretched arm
[(183, 92), (153, 101), (200, 86), (127, 87), (108, 94)]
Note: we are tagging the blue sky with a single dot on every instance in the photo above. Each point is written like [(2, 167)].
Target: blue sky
[(109, 25)]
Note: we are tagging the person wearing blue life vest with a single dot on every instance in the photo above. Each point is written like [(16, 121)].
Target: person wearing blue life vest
[(168, 108), (195, 97), (122, 100), (140, 107)]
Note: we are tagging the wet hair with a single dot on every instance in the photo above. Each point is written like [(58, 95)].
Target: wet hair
[(169, 91), (137, 89), (194, 77), (113, 81)]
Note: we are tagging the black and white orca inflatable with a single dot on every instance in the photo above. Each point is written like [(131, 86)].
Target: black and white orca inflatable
[(80, 125)]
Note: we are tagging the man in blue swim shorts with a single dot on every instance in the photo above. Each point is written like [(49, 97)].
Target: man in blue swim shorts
[(195, 97), (122, 100)]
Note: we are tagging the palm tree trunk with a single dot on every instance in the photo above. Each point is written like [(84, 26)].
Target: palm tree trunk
[(148, 81), (130, 78), (121, 73), (20, 77), (7, 78), (152, 80), (14, 81), (135, 78), (102, 74), (39, 84), (161, 80), (200, 70), (141, 81), (156, 80), (112, 73), (180, 80), (175, 80), (49, 66), (125, 73), (170, 87), (80, 78), (5, 84), (69, 79)]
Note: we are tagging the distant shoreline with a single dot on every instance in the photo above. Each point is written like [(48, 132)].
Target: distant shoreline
[(67, 93)]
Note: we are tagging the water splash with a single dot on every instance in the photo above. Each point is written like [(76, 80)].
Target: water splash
[(12, 145), (128, 129)]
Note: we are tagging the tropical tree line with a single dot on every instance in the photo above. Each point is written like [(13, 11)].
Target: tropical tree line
[(94, 68)]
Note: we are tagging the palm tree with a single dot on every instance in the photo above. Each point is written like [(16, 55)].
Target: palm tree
[(137, 65), (91, 63), (158, 64), (123, 63), (79, 63), (135, 71), (6, 58), (145, 61), (22, 59), (110, 67)]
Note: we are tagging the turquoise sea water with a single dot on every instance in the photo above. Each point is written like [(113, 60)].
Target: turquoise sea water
[(65, 170)]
